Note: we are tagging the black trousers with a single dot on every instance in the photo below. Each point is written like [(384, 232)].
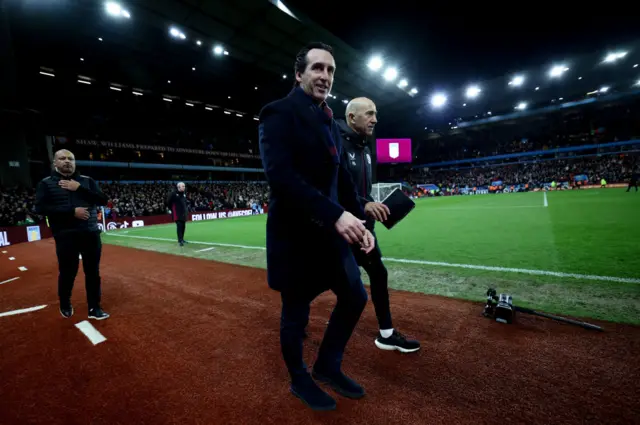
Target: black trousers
[(632, 184), (296, 305), (379, 278), (181, 226), (69, 246)]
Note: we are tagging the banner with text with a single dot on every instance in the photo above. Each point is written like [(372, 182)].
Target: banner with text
[(20, 234), (65, 142)]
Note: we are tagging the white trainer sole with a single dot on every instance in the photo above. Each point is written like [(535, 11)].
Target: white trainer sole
[(394, 347)]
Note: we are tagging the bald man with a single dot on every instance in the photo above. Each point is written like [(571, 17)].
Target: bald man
[(177, 202), (356, 130), (69, 200)]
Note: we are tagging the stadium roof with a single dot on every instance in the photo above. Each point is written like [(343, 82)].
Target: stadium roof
[(167, 47), (257, 41)]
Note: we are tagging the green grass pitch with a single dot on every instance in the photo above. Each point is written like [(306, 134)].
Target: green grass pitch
[(578, 256)]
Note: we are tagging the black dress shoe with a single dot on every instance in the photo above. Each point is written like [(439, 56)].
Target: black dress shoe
[(312, 395), (340, 382)]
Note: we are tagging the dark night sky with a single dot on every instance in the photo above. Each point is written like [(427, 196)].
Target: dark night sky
[(436, 47)]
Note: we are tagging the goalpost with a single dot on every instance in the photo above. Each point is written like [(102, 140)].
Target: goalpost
[(380, 191)]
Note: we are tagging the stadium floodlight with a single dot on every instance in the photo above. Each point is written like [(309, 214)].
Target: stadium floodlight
[(218, 50), (403, 83), (612, 57), (517, 81), (414, 91), (137, 93), (199, 43), (557, 70), (521, 106), (375, 63), (604, 89), (390, 74), (208, 108), (84, 82), (226, 53), (438, 100), (115, 9), (635, 66), (99, 38), (537, 88), (284, 76), (638, 83), (345, 101), (473, 91), (48, 74), (176, 33)]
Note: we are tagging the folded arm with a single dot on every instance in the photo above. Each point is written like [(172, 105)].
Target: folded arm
[(93, 194)]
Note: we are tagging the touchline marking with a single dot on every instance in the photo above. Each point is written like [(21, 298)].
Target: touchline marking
[(12, 258), (206, 249), (438, 263), (513, 270), (22, 268), (90, 332), (546, 204), (9, 280), (24, 310), (200, 243)]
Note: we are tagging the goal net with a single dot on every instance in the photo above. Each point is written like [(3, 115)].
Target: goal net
[(380, 191)]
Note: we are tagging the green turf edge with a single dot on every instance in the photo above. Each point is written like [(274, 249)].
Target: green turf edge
[(607, 301)]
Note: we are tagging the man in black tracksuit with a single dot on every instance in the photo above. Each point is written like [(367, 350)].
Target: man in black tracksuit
[(177, 202), (355, 131), (70, 202), (633, 181)]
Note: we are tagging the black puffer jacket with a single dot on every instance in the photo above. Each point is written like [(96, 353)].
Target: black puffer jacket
[(59, 204)]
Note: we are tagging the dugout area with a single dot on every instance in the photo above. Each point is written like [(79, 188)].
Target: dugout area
[(192, 341)]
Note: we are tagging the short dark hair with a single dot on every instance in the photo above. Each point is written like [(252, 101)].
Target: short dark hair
[(301, 58)]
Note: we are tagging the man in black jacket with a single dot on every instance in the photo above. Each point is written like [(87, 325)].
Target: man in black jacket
[(70, 201), (177, 202), (361, 118)]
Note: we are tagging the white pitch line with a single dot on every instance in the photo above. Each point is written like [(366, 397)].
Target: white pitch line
[(22, 268), (206, 249), (24, 310), (12, 258), (90, 332), (546, 204), (4, 252), (196, 242), (514, 270), (9, 280), (439, 263)]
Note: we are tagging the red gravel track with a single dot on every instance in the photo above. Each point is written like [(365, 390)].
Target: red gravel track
[(191, 341)]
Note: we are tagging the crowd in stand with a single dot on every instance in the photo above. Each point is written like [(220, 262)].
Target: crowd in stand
[(611, 168), (16, 206), (581, 127), (135, 200)]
